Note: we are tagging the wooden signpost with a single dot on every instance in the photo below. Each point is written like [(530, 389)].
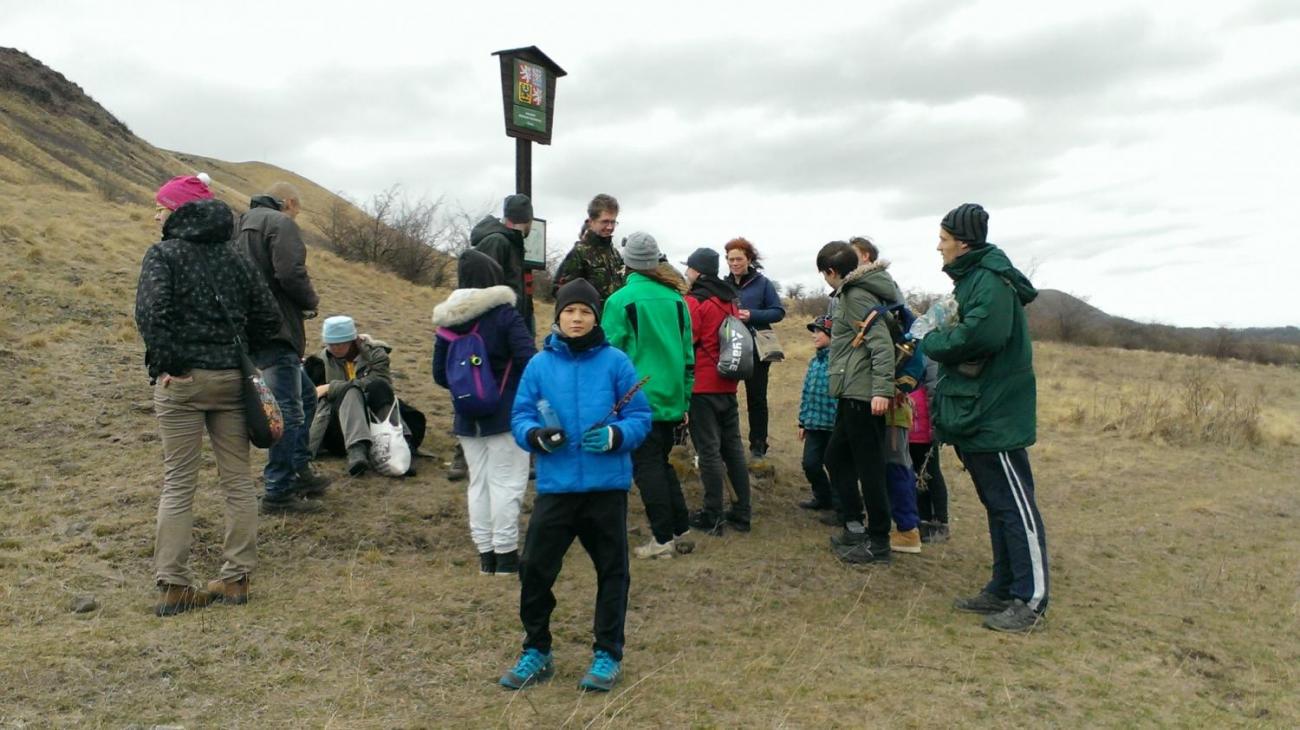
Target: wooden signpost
[(528, 95)]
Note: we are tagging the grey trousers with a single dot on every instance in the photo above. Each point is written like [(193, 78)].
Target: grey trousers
[(351, 414), (203, 400)]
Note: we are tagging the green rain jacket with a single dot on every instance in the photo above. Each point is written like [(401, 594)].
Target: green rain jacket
[(649, 320), (986, 399)]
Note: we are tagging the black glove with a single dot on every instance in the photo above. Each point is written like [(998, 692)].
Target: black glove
[(546, 439)]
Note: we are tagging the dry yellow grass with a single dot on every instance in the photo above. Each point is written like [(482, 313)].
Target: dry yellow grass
[(1174, 561)]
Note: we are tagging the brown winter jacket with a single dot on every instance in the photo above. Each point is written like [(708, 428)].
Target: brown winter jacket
[(273, 242)]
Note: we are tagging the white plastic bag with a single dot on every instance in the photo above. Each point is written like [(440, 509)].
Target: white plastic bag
[(389, 453)]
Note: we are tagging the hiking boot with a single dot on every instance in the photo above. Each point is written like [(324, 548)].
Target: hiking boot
[(736, 522), (756, 455), (487, 563), (812, 504), (358, 458), (533, 667), (279, 504), (683, 543), (508, 563), (908, 541), (603, 673), (458, 469), (655, 549), (934, 532), (846, 538), (310, 483), (176, 599), (1015, 619), (862, 554), (829, 518), (986, 603), (234, 593), (706, 522)]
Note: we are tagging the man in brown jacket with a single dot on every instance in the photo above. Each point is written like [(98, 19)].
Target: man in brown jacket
[(269, 236)]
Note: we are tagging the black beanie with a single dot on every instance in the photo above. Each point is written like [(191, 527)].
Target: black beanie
[(968, 222), (477, 270), (517, 209), (578, 290)]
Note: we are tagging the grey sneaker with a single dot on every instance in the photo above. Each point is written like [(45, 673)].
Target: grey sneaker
[(459, 469), (1016, 619), (983, 603)]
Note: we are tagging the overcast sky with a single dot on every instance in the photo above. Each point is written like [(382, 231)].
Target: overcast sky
[(1142, 155)]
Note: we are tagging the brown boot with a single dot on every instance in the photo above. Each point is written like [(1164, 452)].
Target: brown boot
[(176, 599), (234, 593)]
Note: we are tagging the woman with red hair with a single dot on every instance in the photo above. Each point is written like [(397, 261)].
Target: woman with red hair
[(760, 308)]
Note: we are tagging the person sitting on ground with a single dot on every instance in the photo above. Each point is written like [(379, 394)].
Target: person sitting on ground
[(714, 415), (581, 410), (196, 299), (817, 418), (649, 320), (484, 305), (357, 383)]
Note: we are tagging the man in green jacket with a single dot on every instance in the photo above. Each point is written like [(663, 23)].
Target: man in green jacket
[(648, 320), (861, 373), (593, 257), (357, 380), (985, 407)]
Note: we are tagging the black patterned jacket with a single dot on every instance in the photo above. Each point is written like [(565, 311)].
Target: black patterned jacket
[(176, 309)]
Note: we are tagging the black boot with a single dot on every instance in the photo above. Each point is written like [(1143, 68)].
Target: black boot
[(508, 563), (487, 563)]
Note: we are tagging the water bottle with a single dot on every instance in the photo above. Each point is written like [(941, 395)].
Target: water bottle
[(549, 417)]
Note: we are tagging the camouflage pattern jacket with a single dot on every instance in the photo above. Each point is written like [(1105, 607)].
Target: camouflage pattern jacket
[(594, 259)]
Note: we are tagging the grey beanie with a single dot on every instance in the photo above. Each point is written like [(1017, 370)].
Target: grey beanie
[(640, 251), (517, 209)]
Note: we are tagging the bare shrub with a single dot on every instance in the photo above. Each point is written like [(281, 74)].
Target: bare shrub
[(418, 240), (1195, 409)]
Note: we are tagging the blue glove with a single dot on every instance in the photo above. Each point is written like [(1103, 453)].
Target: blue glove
[(600, 440)]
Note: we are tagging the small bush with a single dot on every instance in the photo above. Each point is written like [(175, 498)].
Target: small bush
[(1194, 410)]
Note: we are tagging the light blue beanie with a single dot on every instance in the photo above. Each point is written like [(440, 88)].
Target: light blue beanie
[(337, 330)]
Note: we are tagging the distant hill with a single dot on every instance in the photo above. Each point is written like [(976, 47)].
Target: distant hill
[(53, 133)]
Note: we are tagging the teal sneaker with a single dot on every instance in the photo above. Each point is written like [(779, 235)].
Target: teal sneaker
[(533, 667), (603, 674)]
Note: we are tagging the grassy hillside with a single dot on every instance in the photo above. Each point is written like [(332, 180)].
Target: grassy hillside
[(1167, 483)]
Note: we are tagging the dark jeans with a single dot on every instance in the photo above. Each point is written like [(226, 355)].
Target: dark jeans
[(661, 493), (1005, 486), (902, 496), (856, 456), (599, 521), (932, 501), (296, 395), (756, 404), (715, 431), (814, 467)]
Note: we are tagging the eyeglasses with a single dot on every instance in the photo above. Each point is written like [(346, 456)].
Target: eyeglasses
[(606, 223)]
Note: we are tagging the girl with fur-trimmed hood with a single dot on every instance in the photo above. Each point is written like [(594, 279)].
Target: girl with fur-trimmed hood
[(498, 468)]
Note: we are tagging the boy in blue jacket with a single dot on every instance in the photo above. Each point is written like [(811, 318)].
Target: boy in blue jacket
[(594, 418)]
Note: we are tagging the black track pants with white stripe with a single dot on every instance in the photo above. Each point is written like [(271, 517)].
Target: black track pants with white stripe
[(1005, 486)]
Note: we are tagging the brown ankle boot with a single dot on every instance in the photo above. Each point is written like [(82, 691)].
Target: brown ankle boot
[(176, 599), (233, 592)]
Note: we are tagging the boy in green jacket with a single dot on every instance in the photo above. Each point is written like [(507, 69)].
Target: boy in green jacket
[(985, 407)]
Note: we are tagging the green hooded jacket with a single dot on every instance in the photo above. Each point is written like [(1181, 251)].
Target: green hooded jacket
[(866, 371), (987, 398), (649, 321)]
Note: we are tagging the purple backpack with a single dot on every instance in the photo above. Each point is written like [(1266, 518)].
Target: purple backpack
[(474, 389)]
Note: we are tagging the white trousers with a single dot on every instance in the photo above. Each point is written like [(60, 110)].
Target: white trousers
[(498, 476)]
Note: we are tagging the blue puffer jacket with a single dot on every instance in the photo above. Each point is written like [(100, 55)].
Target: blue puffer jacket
[(582, 387)]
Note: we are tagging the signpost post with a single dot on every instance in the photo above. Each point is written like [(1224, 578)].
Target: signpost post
[(528, 95)]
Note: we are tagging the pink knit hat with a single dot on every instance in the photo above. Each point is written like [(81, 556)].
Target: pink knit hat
[(182, 189)]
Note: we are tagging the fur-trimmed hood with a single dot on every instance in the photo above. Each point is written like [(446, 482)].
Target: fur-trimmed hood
[(875, 278), (465, 305)]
